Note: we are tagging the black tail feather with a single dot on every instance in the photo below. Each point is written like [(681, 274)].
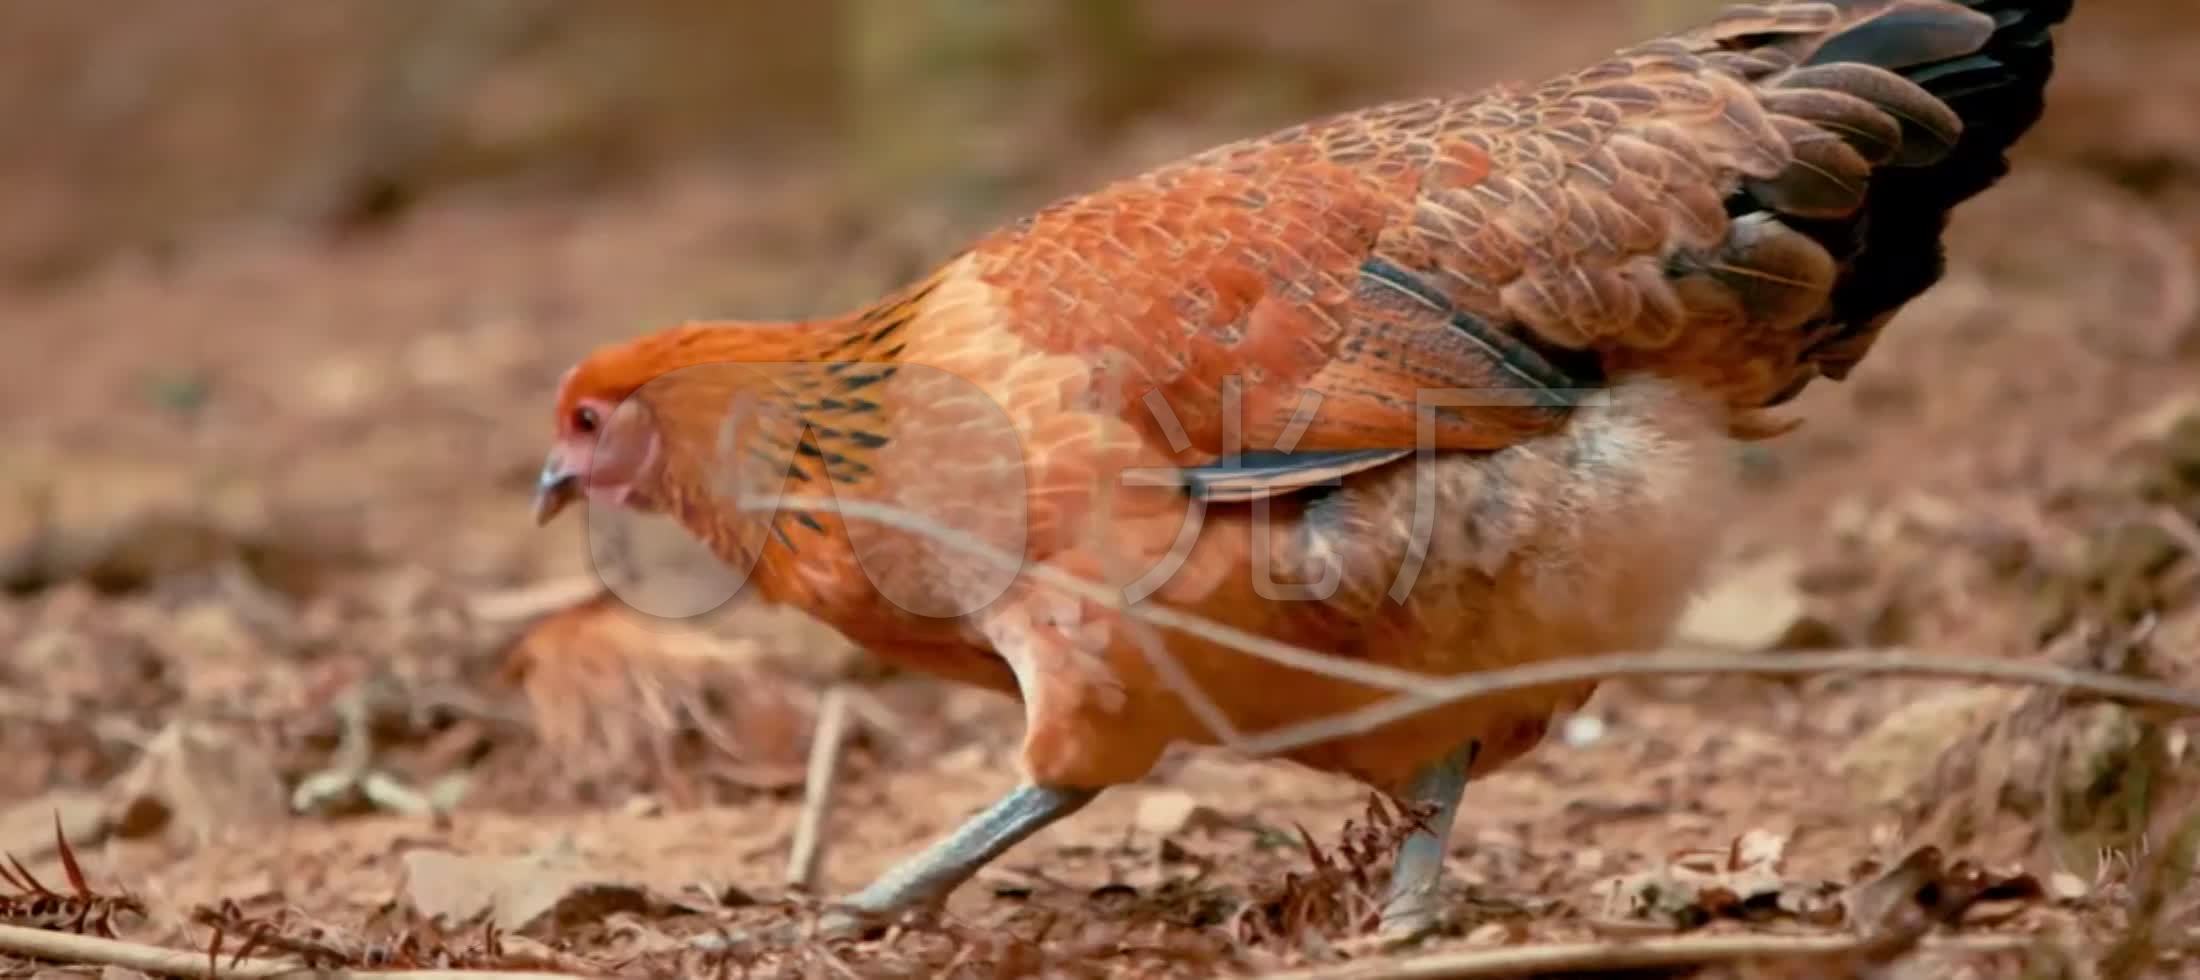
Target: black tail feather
[(1893, 248)]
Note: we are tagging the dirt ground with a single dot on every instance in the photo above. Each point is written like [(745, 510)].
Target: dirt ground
[(286, 658)]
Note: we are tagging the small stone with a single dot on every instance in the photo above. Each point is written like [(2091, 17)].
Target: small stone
[(1752, 609), (1889, 763), (1761, 850), (1581, 731), (518, 894), (2067, 887), (1489, 934)]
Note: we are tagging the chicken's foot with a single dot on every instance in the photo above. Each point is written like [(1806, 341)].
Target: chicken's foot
[(926, 879), (1411, 909)]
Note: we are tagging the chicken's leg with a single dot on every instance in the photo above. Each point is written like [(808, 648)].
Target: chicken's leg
[(928, 877), (1416, 874)]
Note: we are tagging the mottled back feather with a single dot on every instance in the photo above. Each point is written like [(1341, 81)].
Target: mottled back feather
[(1741, 206)]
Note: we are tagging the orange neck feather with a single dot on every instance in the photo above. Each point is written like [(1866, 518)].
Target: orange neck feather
[(747, 410)]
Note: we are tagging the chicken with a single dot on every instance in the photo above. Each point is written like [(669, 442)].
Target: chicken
[(1435, 386)]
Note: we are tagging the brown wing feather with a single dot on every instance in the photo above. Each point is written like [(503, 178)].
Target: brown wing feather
[(1472, 242), (1245, 275)]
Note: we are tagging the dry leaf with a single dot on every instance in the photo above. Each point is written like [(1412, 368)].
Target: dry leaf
[(201, 780), (1752, 608), (517, 894), (1743, 881)]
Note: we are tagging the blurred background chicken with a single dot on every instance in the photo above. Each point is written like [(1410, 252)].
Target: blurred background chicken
[(1213, 378)]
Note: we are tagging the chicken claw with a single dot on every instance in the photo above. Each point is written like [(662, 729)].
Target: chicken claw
[(925, 880)]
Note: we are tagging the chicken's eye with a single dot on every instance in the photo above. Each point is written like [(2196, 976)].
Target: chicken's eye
[(584, 419)]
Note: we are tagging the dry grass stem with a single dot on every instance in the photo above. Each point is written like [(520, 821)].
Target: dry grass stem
[(61, 947), (1606, 957), (1908, 663), (827, 745), (1260, 646)]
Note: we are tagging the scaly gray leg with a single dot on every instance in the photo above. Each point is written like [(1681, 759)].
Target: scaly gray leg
[(1416, 875), (926, 879)]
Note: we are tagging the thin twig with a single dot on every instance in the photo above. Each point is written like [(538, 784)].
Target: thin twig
[(63, 947), (1372, 675), (1604, 957), (827, 743), (1609, 666), (1422, 692)]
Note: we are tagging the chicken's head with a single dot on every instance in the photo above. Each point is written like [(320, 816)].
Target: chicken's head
[(647, 423), (606, 445)]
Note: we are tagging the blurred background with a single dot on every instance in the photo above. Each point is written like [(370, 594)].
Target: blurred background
[(285, 288)]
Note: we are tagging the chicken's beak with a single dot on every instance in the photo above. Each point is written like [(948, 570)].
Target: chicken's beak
[(554, 489)]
